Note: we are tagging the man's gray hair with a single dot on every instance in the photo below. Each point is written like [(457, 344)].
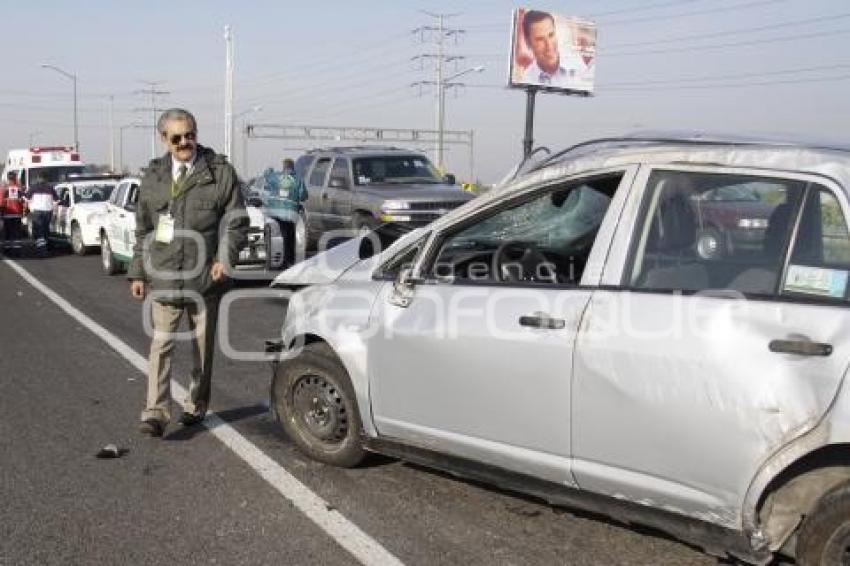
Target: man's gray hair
[(176, 114)]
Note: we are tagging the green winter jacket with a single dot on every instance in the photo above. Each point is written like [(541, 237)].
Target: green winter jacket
[(210, 223)]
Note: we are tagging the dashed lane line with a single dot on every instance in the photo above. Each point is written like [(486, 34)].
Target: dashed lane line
[(348, 535)]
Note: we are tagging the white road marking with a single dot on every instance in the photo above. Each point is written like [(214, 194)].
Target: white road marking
[(348, 535)]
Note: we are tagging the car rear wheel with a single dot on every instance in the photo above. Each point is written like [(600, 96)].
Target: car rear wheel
[(107, 260), (824, 537), (317, 408), (77, 243)]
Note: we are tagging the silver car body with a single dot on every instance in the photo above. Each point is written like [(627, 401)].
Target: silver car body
[(699, 422)]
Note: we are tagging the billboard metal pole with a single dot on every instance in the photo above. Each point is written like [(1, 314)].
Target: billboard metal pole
[(528, 140)]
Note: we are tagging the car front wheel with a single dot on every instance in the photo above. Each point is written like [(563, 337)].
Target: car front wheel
[(77, 243), (824, 537), (107, 260), (317, 408)]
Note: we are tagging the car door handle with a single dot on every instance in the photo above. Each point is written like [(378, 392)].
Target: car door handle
[(800, 347), (121, 215), (325, 196), (540, 320)]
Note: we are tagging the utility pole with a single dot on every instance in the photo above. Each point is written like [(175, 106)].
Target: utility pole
[(438, 34), (152, 91), (228, 93), (111, 134)]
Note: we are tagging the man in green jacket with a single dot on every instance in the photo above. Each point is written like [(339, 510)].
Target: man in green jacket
[(190, 224)]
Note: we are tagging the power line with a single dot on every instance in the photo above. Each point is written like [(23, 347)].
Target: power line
[(738, 31), (745, 43), (153, 92)]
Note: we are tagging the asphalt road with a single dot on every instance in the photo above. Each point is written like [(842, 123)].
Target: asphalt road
[(188, 499)]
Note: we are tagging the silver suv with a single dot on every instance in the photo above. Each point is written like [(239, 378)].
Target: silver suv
[(361, 188), (566, 336)]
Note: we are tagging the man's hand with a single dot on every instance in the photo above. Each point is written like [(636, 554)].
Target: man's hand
[(138, 289), (217, 271)]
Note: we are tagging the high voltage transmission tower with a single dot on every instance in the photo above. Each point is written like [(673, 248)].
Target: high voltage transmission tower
[(438, 35), (152, 92)]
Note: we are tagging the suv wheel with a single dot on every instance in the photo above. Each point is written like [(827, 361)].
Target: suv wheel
[(364, 222), (824, 537), (77, 240), (316, 406)]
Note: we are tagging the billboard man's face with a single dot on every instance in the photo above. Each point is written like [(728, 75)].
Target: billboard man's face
[(544, 44)]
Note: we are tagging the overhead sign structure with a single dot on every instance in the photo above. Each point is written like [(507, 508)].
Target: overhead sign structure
[(552, 52)]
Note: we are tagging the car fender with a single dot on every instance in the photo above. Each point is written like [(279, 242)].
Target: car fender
[(339, 315), (832, 429)]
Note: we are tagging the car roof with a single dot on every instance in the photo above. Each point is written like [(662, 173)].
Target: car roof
[(363, 151), (787, 155)]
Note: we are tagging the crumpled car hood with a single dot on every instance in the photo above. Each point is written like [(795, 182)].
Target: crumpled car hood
[(322, 268)]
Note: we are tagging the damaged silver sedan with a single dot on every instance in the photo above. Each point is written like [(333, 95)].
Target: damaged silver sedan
[(652, 328)]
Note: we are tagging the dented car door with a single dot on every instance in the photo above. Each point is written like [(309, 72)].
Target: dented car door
[(692, 369)]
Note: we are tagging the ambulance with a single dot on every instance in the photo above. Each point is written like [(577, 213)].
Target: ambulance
[(53, 163)]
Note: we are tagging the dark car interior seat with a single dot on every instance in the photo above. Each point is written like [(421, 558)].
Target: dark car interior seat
[(671, 240), (762, 280)]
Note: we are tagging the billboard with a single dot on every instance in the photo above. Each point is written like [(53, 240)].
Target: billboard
[(552, 52)]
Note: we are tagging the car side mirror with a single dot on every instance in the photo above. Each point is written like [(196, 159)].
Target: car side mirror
[(338, 183), (130, 207), (256, 202), (404, 287), (449, 179)]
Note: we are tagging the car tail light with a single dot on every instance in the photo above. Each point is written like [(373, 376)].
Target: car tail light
[(75, 157), (36, 159)]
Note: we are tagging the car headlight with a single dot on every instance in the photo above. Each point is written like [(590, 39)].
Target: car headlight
[(752, 223), (395, 205)]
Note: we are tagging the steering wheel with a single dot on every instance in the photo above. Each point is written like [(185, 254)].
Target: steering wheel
[(521, 261)]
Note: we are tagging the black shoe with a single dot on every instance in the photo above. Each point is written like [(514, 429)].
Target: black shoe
[(189, 419), (152, 428)]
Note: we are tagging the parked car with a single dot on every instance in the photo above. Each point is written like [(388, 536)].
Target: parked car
[(563, 336), (361, 188), (280, 229), (118, 234), (81, 210)]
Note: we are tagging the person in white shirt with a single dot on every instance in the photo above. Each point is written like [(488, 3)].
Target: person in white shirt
[(548, 69)]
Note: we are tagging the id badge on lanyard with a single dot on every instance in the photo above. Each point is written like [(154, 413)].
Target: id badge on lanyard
[(165, 228)]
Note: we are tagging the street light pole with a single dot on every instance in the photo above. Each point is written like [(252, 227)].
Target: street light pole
[(443, 85), (73, 78)]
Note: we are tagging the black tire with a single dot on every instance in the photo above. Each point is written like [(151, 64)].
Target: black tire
[(824, 536), (364, 222), (77, 244), (107, 260), (316, 406)]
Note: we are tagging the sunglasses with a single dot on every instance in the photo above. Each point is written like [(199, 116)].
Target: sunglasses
[(188, 136)]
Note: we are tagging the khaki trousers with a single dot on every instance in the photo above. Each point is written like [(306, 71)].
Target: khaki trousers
[(202, 324)]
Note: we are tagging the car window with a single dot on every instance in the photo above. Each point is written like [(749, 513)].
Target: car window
[(820, 258), (134, 196), (302, 164), (340, 169), (92, 193), (546, 239), (700, 231), (117, 196), (395, 169), (404, 258), (317, 177)]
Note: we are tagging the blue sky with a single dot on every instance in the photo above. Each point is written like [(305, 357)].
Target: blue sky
[(728, 65)]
